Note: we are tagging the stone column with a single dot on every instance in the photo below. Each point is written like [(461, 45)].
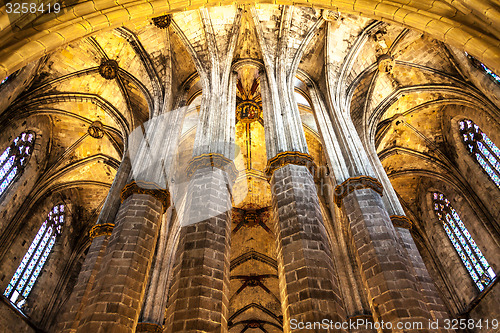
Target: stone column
[(384, 264), (199, 293), (308, 285), (99, 235), (308, 282), (155, 301), (198, 299), (434, 302), (116, 298)]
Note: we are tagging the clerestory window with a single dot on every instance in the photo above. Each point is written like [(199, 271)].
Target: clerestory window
[(14, 159), (482, 148), (478, 267), (32, 263)]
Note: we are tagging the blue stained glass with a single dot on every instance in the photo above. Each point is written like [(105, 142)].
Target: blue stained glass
[(464, 230), (488, 169), (8, 290), (492, 146), (467, 249), (7, 180), (460, 253), (33, 261), (6, 167), (4, 155), (4, 80), (39, 266), (491, 73), (485, 151), (28, 254), (490, 157)]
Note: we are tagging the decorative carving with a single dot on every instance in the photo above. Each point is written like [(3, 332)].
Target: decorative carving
[(356, 183), (162, 22), (108, 69), (149, 327), (96, 130), (210, 160), (248, 111), (401, 221), (330, 15), (101, 230), (163, 195), (289, 157), (385, 63)]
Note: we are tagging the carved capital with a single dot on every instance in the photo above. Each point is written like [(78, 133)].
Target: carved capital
[(210, 160), (101, 230), (149, 327), (356, 183), (163, 195), (401, 221), (289, 157)]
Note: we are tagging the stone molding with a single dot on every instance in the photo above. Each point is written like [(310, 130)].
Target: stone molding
[(101, 230), (289, 157), (401, 221), (162, 195), (356, 183), (212, 160), (149, 327)]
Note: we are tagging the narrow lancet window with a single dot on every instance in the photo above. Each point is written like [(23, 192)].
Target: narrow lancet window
[(32, 263), (14, 159), (484, 150), (478, 267)]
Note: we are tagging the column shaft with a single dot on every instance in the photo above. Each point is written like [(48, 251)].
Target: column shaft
[(309, 290), (114, 302), (199, 294), (385, 266)]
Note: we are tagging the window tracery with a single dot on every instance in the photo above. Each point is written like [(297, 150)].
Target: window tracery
[(478, 267), (32, 263), (14, 159), (484, 150)]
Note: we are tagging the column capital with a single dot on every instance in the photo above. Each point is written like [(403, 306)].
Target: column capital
[(356, 183), (149, 327), (162, 195), (101, 230), (212, 160), (401, 221), (289, 157)]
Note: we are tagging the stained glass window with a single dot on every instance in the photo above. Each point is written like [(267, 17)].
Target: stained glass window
[(32, 263), (14, 159), (4, 80), (480, 271), (482, 148), (483, 67)]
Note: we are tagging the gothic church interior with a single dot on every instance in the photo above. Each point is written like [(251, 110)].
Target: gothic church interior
[(245, 167)]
